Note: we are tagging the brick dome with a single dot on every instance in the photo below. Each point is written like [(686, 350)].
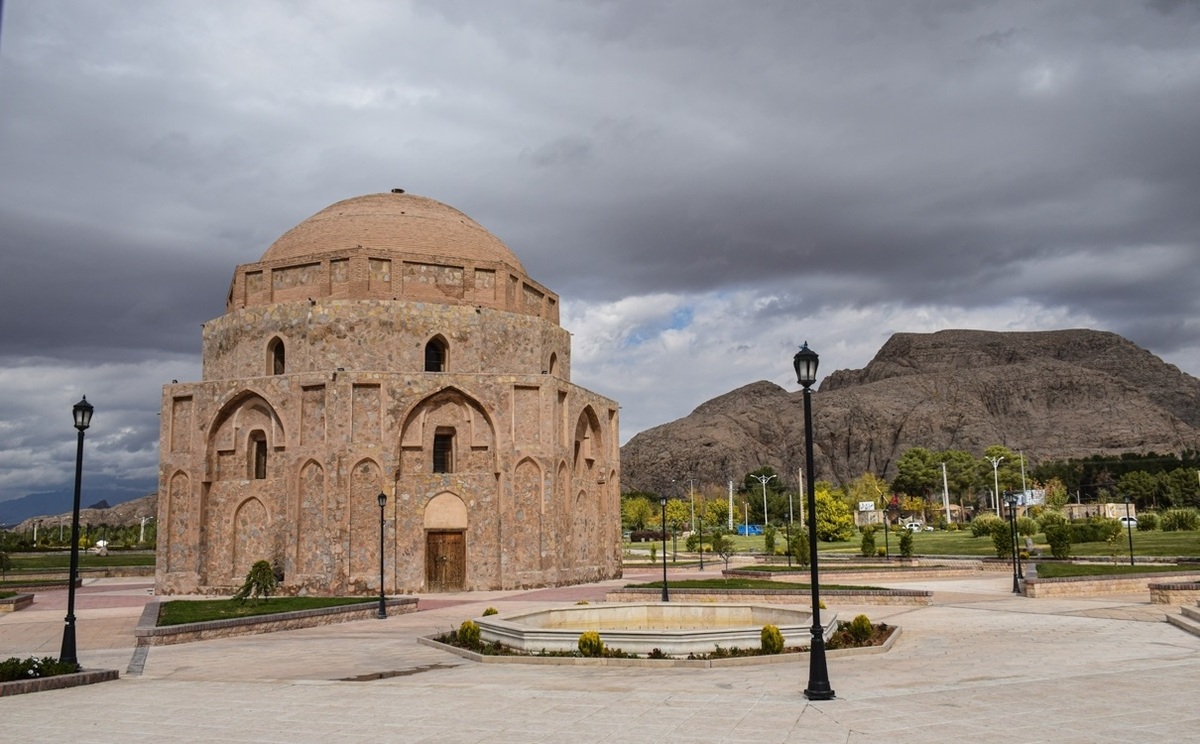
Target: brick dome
[(397, 223)]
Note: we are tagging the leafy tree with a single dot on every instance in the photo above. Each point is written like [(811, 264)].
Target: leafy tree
[(906, 544), (1140, 486), (799, 546), (1181, 487), (867, 548), (1056, 493), (918, 472), (636, 512), (769, 539), (5, 564), (723, 546), (868, 487), (962, 475), (834, 520)]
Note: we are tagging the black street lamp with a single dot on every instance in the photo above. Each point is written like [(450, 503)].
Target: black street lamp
[(805, 363), (662, 502), (1010, 499), (83, 419), (382, 614), (700, 523), (1129, 528)]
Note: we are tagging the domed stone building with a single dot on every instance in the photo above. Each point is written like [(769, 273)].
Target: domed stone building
[(388, 345)]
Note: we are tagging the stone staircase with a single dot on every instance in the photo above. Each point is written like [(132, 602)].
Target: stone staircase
[(1188, 620)]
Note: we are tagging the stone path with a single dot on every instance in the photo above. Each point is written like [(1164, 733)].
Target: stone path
[(978, 664)]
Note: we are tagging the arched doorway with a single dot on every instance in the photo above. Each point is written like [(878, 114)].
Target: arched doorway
[(445, 543)]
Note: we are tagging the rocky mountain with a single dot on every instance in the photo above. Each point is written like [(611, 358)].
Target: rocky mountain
[(1050, 394), (126, 514)]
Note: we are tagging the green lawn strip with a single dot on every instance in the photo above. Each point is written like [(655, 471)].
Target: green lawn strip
[(740, 584), (47, 583), (6, 595), (55, 561), (1064, 570), (179, 611)]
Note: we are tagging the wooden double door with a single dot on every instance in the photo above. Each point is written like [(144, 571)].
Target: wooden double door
[(445, 560)]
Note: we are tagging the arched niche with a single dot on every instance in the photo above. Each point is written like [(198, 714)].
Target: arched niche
[(446, 511), (449, 418), (245, 428)]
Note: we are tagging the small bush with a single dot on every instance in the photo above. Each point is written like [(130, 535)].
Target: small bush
[(906, 544), (14, 669), (1175, 520), (861, 629), (491, 611), (1001, 538), (468, 634), (1147, 522), (982, 524), (590, 644), (800, 547), (868, 543), (1059, 538), (1026, 526), (881, 552), (260, 582), (646, 536), (653, 552), (1096, 529), (772, 640), (1049, 518)]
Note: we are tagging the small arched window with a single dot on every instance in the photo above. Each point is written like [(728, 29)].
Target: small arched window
[(258, 455), (553, 368), (277, 360), (435, 355)]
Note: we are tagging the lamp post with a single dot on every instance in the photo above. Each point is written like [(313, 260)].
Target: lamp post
[(83, 419), (764, 480), (996, 482), (662, 502), (1129, 528), (700, 523), (805, 363), (382, 614), (1010, 499)]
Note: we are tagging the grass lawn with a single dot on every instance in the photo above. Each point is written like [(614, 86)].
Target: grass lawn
[(48, 583), (54, 561), (737, 584), (179, 611), (1063, 570), (6, 595)]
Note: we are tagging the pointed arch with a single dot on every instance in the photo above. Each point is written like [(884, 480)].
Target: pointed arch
[(175, 528), (552, 367), (366, 481), (448, 431), (243, 434), (528, 515), (313, 557), (588, 445), (276, 356), (437, 354), (251, 536)]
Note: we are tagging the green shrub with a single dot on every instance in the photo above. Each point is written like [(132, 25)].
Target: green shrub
[(1049, 518), (590, 644), (861, 629), (799, 547), (1175, 520), (14, 669), (1147, 522), (868, 543), (772, 640), (653, 552), (1059, 538), (881, 552), (906, 544), (769, 539), (953, 527), (1001, 537), (468, 634), (1027, 526), (491, 611), (982, 524), (1095, 529), (260, 582)]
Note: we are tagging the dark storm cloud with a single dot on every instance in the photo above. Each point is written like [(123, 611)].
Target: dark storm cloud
[(703, 183)]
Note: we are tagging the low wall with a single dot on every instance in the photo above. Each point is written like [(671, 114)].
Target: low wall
[(1175, 593), (1083, 586), (913, 597), (19, 602), (57, 682), (34, 578), (149, 634)]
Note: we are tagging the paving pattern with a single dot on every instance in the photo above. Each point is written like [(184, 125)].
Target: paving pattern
[(979, 664)]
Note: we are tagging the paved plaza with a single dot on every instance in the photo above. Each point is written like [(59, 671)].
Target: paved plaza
[(979, 664)]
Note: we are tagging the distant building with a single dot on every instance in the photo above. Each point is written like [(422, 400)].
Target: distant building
[(389, 344)]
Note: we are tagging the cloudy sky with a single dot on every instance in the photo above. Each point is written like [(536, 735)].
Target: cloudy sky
[(705, 184)]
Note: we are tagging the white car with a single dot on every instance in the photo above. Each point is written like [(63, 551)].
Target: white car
[(913, 526), (1127, 521)]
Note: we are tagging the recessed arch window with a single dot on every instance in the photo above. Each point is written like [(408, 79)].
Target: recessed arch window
[(276, 357), (553, 367), (443, 450), (436, 354), (257, 450)]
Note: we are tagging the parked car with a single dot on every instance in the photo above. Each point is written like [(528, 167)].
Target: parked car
[(913, 526), (1127, 521)]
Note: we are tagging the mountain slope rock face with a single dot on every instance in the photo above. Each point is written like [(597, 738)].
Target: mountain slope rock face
[(1050, 394)]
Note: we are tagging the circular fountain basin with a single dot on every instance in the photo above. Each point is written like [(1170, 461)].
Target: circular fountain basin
[(674, 628)]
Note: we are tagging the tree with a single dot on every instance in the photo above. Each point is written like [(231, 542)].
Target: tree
[(918, 472), (1140, 486), (636, 511), (260, 581), (962, 475), (723, 546), (834, 520), (1056, 493), (5, 564)]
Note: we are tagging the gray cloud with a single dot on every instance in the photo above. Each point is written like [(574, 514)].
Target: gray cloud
[(706, 184)]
